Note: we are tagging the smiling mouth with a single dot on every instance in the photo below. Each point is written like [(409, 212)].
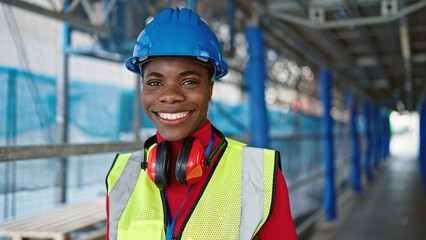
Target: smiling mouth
[(173, 116)]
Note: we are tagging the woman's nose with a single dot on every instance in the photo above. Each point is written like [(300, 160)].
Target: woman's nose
[(171, 94)]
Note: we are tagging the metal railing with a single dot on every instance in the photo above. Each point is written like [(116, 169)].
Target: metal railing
[(63, 150)]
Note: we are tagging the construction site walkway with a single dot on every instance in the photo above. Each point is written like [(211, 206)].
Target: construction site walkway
[(392, 207)]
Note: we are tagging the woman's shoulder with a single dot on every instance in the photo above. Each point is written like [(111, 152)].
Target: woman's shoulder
[(234, 143)]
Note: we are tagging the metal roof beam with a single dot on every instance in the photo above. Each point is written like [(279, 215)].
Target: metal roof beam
[(419, 58), (327, 4), (367, 38), (337, 45), (275, 13), (406, 56), (72, 20), (366, 61), (282, 32)]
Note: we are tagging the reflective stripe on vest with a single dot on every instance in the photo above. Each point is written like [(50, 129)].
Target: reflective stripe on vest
[(252, 191), (240, 173), (122, 189)]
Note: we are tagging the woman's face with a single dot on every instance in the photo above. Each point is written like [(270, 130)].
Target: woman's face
[(175, 96)]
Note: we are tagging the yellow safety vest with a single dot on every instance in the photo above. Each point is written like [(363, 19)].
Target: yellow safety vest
[(236, 201)]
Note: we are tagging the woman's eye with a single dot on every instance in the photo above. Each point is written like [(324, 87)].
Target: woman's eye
[(153, 83), (189, 82)]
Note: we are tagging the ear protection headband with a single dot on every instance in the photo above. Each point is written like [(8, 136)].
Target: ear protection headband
[(191, 162)]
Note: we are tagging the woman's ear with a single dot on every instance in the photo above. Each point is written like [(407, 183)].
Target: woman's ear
[(211, 83)]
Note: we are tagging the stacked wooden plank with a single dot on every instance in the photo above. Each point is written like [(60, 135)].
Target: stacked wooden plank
[(59, 222)]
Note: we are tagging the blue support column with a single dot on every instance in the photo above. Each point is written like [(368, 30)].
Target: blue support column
[(356, 171), (388, 135), (329, 190), (379, 136), (230, 15), (422, 152), (384, 133), (255, 77), (119, 14), (376, 136), (368, 141)]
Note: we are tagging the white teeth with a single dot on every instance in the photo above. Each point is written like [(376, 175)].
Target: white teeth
[(173, 116)]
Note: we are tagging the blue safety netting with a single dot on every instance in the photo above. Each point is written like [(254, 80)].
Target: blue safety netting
[(27, 104)]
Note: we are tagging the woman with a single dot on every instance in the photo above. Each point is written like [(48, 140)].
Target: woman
[(190, 182)]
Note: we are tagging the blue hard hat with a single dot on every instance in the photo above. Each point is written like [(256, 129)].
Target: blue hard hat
[(178, 32)]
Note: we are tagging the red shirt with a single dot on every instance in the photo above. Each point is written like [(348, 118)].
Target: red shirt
[(280, 223)]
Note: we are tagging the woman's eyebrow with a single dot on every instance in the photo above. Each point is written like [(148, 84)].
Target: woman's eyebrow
[(154, 74), (187, 73)]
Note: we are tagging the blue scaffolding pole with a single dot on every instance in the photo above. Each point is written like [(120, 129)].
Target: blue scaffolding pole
[(356, 171), (329, 189), (380, 136), (368, 141), (384, 116), (388, 135), (422, 152), (255, 76), (376, 136)]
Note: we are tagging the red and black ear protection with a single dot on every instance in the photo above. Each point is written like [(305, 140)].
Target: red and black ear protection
[(190, 165)]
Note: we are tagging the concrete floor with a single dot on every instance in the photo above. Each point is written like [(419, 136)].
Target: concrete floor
[(391, 207)]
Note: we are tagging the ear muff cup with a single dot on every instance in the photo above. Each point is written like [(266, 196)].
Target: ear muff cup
[(159, 164), (190, 165)]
